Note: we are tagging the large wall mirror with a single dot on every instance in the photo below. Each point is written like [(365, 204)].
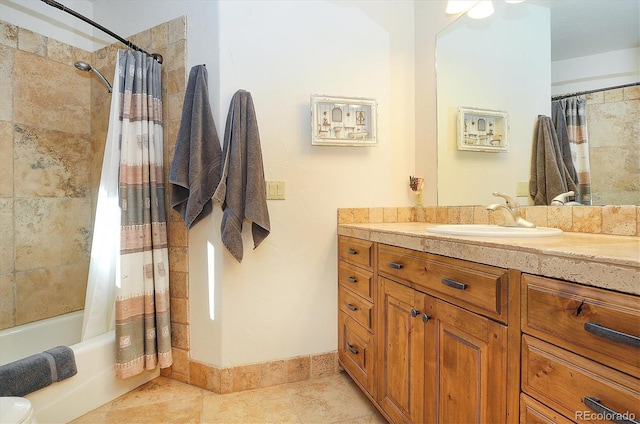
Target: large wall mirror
[(514, 62)]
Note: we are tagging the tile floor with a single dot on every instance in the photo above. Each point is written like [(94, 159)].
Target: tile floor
[(334, 399)]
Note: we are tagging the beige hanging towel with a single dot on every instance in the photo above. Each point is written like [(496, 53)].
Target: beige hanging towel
[(242, 190)]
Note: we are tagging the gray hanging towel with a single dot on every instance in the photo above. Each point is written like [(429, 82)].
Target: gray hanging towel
[(242, 190), (197, 162), (549, 174)]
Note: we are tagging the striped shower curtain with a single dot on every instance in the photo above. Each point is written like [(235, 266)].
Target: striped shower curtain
[(576, 117), (143, 335)]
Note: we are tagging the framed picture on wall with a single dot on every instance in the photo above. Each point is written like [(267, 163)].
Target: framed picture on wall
[(483, 130), (343, 121)]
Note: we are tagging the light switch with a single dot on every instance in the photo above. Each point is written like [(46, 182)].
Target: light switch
[(522, 189), (275, 190)]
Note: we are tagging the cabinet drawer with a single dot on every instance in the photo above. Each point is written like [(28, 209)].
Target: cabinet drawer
[(596, 323), (356, 351), (356, 307), (480, 288), (533, 412), (356, 251), (567, 382), (356, 279)]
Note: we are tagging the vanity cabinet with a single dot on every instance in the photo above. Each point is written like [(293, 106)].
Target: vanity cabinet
[(439, 335), (580, 352), (442, 338), (438, 363), (356, 324), (447, 340)]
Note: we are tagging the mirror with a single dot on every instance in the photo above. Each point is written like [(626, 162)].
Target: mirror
[(513, 63)]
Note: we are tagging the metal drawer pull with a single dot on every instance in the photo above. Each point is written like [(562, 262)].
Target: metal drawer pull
[(613, 335), (352, 349), (394, 265), (414, 312), (425, 317), (352, 252), (608, 413), (351, 307), (454, 284), (352, 280)]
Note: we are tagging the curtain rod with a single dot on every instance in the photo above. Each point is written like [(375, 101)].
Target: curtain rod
[(128, 43), (582, 93)]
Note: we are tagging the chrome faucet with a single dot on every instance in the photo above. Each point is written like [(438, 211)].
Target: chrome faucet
[(512, 212)]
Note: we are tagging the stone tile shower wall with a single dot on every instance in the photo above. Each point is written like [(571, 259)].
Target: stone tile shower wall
[(45, 196), (613, 120), (53, 127)]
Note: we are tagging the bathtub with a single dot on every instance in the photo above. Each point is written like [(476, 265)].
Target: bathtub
[(95, 383)]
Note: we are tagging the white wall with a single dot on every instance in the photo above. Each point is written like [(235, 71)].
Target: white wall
[(430, 19), (473, 72), (281, 301), (595, 72), (39, 17)]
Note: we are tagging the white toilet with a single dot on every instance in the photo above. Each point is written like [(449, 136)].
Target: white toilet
[(16, 410)]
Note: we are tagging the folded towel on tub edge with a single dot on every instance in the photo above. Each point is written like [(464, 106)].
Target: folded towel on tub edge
[(35, 372)]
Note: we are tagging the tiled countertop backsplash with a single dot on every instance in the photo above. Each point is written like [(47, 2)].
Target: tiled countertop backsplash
[(613, 220)]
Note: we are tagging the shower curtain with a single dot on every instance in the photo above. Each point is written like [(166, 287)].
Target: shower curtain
[(574, 110), (143, 335), (133, 254), (99, 304)]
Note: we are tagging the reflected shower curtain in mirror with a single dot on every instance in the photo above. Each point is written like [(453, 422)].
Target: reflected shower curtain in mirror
[(143, 335), (574, 111)]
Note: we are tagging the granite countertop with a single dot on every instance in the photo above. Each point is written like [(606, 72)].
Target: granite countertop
[(606, 261)]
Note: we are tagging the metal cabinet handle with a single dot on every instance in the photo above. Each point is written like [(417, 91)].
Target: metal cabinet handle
[(425, 317), (454, 284), (351, 307), (414, 312), (352, 280), (352, 349), (352, 252), (613, 335), (394, 265), (609, 414)]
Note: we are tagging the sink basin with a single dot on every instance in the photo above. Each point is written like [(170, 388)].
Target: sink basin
[(488, 230)]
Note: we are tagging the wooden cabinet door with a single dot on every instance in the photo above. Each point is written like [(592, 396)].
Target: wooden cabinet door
[(466, 367), (533, 412), (401, 352)]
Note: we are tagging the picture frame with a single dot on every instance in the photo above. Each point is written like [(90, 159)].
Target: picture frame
[(483, 130), (343, 121)]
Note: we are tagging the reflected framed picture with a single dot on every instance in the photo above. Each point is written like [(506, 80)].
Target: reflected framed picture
[(343, 121), (483, 130)]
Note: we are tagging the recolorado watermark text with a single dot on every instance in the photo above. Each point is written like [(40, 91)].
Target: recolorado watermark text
[(605, 416)]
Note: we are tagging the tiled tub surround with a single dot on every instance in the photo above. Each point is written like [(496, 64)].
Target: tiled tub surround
[(52, 147), (53, 124), (614, 145), (45, 192), (601, 260)]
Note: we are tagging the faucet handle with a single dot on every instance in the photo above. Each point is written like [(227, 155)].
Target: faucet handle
[(511, 202)]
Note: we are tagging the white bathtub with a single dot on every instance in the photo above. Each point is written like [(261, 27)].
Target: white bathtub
[(95, 383)]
